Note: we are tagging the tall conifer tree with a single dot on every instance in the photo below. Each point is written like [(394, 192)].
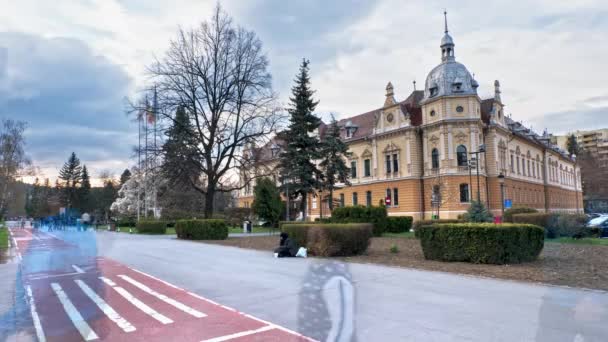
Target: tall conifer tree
[(333, 163), (301, 146)]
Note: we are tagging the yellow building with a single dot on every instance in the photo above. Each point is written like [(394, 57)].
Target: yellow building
[(415, 155)]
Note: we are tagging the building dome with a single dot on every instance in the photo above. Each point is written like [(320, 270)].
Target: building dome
[(449, 78)]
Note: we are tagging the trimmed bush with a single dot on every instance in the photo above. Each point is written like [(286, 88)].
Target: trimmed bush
[(152, 227), (332, 239), (360, 214), (557, 224), (483, 243), (421, 223), (399, 224), (508, 216), (211, 229)]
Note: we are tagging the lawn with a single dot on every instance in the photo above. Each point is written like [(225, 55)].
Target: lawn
[(560, 263), (3, 238), (407, 235), (255, 229), (170, 230), (584, 241)]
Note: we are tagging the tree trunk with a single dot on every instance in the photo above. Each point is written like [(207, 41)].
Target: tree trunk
[(303, 204), (209, 197), (331, 200)]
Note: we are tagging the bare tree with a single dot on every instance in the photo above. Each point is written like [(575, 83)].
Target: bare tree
[(13, 160), (218, 73)]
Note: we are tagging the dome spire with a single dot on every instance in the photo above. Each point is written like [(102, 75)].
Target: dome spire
[(447, 43)]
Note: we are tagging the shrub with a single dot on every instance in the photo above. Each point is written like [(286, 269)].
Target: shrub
[(508, 216), (211, 229), (3, 238), (399, 224), (152, 227), (394, 249), (557, 224), (571, 225), (478, 212), (485, 243), (421, 223), (360, 214), (332, 239)]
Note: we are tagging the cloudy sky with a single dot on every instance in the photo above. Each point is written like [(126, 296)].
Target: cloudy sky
[(68, 66)]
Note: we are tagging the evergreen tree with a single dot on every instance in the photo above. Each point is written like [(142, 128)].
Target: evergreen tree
[(301, 146), (267, 201), (71, 175), (32, 199), (84, 192), (334, 152), (179, 165), (108, 195), (125, 176), (572, 145), (478, 212)]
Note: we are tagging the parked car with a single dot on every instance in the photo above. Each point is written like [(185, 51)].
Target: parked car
[(601, 223)]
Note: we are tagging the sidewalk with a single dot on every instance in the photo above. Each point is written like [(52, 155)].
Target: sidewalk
[(15, 319)]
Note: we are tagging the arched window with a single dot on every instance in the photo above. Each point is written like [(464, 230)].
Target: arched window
[(461, 155), (435, 158)]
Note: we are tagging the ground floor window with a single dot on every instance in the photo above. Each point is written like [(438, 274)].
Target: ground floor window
[(341, 200), (464, 193), (388, 197), (368, 198), (395, 197), (355, 199)]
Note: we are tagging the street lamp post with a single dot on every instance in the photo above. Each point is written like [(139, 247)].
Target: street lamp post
[(482, 149), (575, 184), (501, 180)]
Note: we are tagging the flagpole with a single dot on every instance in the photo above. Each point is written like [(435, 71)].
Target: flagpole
[(138, 164), (146, 160), (155, 118)]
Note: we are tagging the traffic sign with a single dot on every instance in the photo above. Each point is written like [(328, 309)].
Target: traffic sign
[(508, 203)]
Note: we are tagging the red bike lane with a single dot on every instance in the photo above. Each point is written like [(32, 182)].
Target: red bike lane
[(104, 300)]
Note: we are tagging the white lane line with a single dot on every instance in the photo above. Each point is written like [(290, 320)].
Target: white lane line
[(240, 334), (83, 327), (35, 317), (77, 269), (153, 277), (164, 298), (51, 276), (107, 309), (137, 303)]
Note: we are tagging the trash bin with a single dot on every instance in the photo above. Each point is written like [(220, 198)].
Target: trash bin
[(245, 226), (112, 227)]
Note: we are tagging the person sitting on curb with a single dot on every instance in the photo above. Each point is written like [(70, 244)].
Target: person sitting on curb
[(287, 248)]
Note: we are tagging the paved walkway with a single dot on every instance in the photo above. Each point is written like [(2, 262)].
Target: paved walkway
[(320, 299)]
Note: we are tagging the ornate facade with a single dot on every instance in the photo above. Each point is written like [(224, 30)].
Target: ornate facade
[(415, 155)]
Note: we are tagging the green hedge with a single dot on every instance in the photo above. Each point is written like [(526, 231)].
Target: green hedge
[(360, 214), (399, 224), (211, 229), (557, 224), (421, 223), (152, 227), (334, 239), (508, 216), (484, 243)]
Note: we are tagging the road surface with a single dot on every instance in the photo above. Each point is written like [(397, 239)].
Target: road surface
[(121, 287)]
